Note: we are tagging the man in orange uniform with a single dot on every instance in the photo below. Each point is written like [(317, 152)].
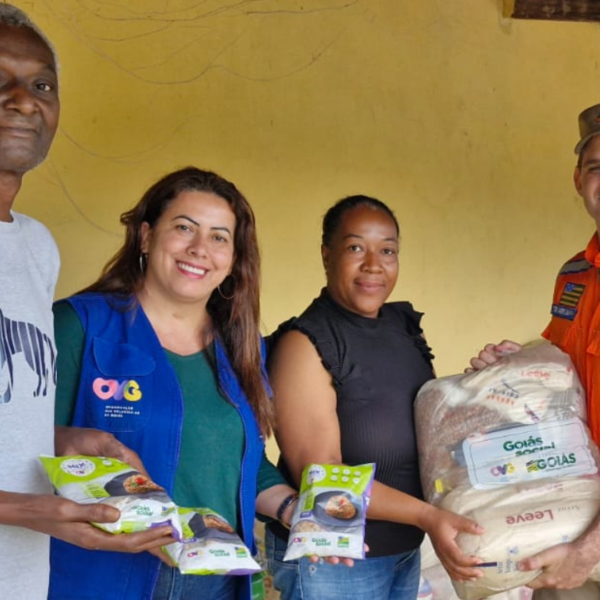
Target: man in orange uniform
[(575, 328)]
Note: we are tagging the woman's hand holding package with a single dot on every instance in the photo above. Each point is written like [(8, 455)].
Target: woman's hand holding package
[(491, 353), (442, 527), (267, 503)]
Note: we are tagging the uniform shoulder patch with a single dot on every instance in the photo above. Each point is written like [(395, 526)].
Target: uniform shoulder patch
[(566, 308), (571, 294), (563, 312), (575, 265)]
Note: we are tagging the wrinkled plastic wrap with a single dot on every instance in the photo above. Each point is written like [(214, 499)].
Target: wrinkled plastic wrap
[(508, 447)]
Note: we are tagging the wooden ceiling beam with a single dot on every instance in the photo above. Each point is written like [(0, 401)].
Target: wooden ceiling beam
[(553, 10)]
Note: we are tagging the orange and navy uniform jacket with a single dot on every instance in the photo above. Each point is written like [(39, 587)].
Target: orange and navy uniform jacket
[(575, 323)]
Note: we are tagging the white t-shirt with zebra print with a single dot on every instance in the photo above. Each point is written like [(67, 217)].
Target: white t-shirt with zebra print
[(29, 264)]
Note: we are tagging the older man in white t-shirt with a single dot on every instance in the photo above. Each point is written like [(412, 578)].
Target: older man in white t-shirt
[(29, 263)]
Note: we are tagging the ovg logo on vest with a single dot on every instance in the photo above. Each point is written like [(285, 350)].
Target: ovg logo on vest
[(112, 389)]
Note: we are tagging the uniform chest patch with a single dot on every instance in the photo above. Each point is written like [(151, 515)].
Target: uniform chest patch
[(569, 299)]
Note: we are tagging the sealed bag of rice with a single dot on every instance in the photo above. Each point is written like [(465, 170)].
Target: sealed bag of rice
[(508, 446), (329, 519)]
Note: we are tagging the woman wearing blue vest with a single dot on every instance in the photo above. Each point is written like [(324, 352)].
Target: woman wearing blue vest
[(345, 375), (164, 352)]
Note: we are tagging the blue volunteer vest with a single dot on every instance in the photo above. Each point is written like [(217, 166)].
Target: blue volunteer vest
[(128, 387)]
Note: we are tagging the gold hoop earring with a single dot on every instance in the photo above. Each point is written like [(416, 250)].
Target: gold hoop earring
[(143, 262), (223, 295), (232, 290)]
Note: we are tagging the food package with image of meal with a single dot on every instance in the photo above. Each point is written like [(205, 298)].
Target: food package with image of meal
[(329, 519), (90, 479), (210, 546), (508, 446)]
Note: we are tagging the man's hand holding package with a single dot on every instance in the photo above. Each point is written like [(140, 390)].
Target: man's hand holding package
[(564, 566), (71, 522)]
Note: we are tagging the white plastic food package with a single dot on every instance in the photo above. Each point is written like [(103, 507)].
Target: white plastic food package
[(329, 519), (95, 479), (210, 546)]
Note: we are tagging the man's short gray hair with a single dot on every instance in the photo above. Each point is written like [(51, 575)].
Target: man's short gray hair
[(14, 17)]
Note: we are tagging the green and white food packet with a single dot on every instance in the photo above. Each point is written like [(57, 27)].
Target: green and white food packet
[(329, 519), (210, 546), (93, 479)]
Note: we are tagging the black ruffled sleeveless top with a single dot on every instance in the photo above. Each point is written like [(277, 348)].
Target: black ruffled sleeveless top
[(377, 367)]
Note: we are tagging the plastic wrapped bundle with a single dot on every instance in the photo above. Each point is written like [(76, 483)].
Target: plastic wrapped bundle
[(508, 447)]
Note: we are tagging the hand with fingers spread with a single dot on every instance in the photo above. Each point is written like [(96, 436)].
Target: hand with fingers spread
[(443, 527)]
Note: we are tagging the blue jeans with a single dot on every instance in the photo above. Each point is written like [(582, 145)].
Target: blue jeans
[(393, 577), (172, 585)]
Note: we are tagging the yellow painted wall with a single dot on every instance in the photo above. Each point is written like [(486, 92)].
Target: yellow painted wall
[(462, 120)]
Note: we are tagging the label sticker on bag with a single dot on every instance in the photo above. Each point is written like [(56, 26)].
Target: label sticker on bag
[(528, 452)]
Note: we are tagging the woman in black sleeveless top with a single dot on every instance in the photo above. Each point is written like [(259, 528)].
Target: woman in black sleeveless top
[(345, 375)]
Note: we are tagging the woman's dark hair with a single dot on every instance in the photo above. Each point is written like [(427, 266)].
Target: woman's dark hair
[(237, 320), (332, 218)]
